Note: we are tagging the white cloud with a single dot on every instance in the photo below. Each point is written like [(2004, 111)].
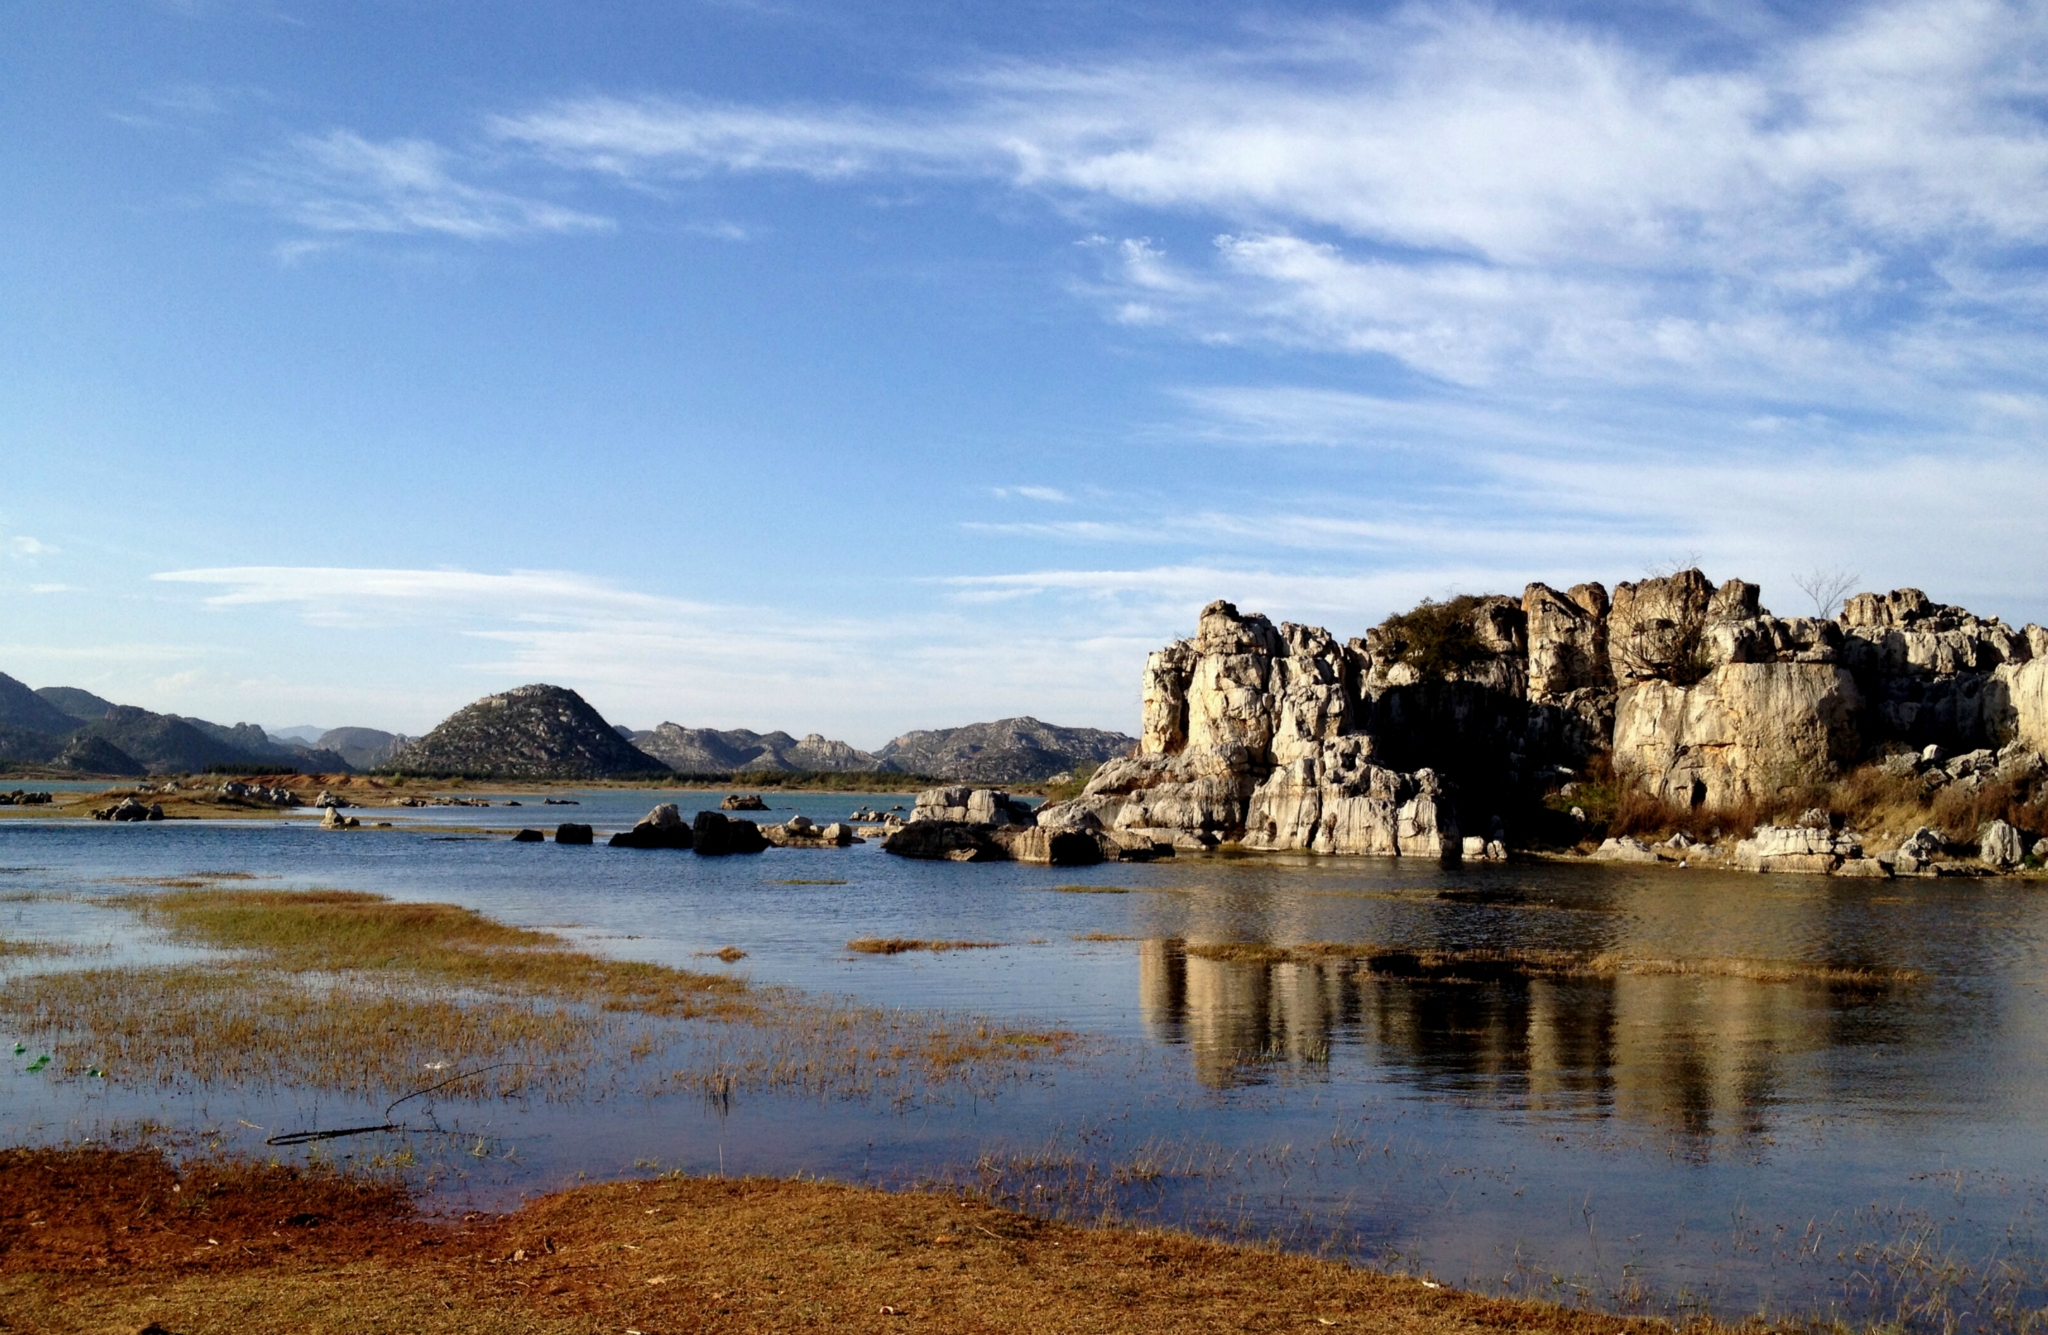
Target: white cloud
[(1050, 495), (1484, 196), (22, 545), (341, 183)]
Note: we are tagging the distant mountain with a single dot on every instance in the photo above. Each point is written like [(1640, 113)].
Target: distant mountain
[(534, 732), (706, 751), (26, 746), (96, 755), (81, 705), (22, 708), (301, 734), (363, 748), (167, 744), (1011, 750)]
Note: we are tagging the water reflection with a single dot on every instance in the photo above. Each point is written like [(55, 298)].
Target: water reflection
[(1685, 1053)]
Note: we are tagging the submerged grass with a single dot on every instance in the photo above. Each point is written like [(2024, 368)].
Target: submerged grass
[(352, 993), (899, 945)]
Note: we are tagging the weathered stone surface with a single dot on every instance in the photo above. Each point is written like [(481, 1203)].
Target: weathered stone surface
[(1567, 637), (570, 832), (1340, 802), (952, 841), (1796, 848), (1055, 848), (662, 827), (973, 806), (1746, 731), (2017, 712), (742, 802), (1624, 849), (802, 832), (2000, 846), (333, 820)]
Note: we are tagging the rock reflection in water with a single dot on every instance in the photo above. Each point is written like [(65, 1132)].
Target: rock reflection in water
[(1691, 1054)]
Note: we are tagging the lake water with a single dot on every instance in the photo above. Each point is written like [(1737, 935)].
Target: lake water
[(1655, 1141)]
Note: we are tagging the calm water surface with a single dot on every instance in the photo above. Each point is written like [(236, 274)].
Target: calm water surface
[(1658, 1141)]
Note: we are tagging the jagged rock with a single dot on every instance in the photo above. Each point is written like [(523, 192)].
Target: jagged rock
[(802, 832), (327, 799), (2040, 850), (716, 835), (1999, 846), (334, 820), (974, 806), (1624, 849), (952, 841), (1918, 852), (1742, 733), (2017, 710), (529, 837), (1567, 637), (742, 802), (1796, 848), (571, 833), (1340, 802), (662, 827), (709, 751)]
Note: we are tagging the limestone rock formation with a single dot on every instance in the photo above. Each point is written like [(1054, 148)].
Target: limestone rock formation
[(534, 732), (802, 832), (972, 806), (1743, 732), (1250, 735)]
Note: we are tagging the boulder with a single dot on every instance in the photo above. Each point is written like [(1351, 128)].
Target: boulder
[(1918, 852), (717, 835), (662, 827), (1624, 849), (571, 833), (1055, 848), (743, 802), (529, 837), (951, 841), (1805, 849), (802, 832), (334, 820), (2000, 847), (973, 806)]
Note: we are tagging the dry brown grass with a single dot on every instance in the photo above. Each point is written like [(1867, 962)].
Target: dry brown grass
[(266, 1252), (899, 945), (1090, 889), (1104, 936), (12, 947)]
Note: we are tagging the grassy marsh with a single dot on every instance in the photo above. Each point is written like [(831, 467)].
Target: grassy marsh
[(352, 993), (900, 945)]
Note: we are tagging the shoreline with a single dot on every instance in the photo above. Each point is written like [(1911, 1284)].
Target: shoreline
[(123, 1240)]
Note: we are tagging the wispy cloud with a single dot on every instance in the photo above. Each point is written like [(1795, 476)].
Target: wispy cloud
[(1483, 196), (24, 546), (340, 184)]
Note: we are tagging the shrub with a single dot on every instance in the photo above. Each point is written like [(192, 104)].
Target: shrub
[(1434, 637)]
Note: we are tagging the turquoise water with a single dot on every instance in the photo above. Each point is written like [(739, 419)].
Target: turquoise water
[(1663, 1141)]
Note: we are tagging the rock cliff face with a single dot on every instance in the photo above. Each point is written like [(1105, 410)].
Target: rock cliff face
[(534, 732), (1250, 735), (1398, 742)]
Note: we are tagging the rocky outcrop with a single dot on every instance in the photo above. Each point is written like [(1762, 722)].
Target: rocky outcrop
[(574, 834), (716, 835), (1810, 849), (662, 827), (2000, 846), (947, 840), (1010, 750), (534, 732), (971, 806), (802, 832), (2016, 712), (742, 802), (1250, 735)]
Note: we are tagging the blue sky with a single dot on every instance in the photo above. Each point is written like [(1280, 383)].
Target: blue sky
[(856, 368)]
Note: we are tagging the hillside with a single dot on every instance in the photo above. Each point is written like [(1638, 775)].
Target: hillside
[(706, 751), (1011, 750), (534, 732), (81, 705), (21, 707), (363, 748)]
